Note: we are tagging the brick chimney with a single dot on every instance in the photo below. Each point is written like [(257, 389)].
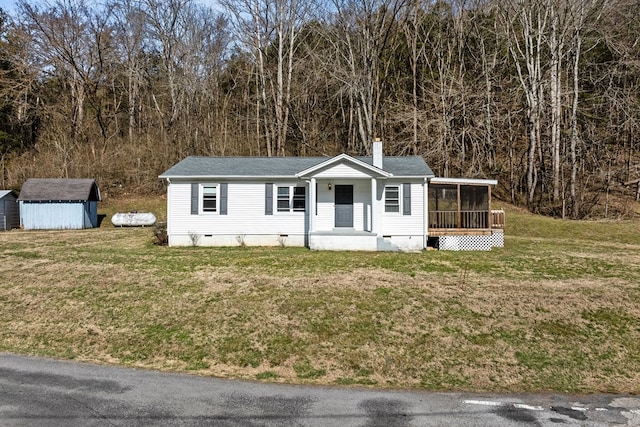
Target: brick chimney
[(377, 153)]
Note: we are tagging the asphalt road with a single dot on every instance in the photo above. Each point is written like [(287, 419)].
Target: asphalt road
[(42, 392)]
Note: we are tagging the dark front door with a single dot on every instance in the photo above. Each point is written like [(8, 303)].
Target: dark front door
[(344, 205)]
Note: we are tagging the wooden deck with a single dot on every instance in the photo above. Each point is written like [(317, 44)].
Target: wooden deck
[(465, 223)]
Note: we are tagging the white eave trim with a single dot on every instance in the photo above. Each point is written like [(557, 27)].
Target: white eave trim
[(420, 177), (307, 173), (467, 181), (223, 177)]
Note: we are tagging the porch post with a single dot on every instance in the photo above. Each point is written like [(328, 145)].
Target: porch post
[(374, 206), (312, 205), (489, 214), (459, 208), (425, 213), (169, 213)]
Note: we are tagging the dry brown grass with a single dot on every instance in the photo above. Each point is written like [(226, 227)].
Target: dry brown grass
[(557, 309)]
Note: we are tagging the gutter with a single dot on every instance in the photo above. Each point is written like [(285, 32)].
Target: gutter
[(258, 177)]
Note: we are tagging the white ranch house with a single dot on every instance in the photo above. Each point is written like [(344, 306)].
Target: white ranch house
[(339, 203)]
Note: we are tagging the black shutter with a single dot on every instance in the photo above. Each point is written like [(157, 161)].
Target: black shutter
[(268, 198), (194, 198), (223, 198), (406, 199)]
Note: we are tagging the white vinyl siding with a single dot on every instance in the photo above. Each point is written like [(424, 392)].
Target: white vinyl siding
[(325, 219), (343, 170), (395, 223), (245, 213), (397, 199)]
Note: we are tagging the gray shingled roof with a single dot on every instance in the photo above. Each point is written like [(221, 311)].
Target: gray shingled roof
[(4, 193), (281, 166), (46, 189)]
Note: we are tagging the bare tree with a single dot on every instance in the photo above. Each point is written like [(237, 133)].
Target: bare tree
[(539, 94), (269, 29), (129, 28), (417, 30), (526, 25), (558, 33), (167, 24), (486, 33), (361, 34), (60, 42), (18, 84), (565, 38), (72, 42), (580, 12)]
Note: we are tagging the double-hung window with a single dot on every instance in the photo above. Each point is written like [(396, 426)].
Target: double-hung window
[(392, 198), (299, 197), (209, 198), (283, 199), (291, 198)]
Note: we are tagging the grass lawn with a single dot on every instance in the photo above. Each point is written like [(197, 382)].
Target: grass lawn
[(557, 309)]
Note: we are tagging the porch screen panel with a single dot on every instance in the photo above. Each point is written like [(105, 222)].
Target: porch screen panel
[(475, 206), (443, 206), (474, 198)]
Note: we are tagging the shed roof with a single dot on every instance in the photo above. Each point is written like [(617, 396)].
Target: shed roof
[(4, 193), (50, 189), (245, 167)]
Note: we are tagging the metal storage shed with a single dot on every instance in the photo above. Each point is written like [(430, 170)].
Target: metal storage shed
[(9, 210), (47, 204)]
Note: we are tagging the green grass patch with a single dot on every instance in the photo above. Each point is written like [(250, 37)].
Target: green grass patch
[(557, 309), (305, 370), (266, 375)]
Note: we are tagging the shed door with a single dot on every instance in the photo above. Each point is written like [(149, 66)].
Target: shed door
[(344, 206)]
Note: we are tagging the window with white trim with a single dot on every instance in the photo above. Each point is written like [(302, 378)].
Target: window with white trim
[(283, 199), (392, 198), (299, 199), (209, 198), (291, 199)]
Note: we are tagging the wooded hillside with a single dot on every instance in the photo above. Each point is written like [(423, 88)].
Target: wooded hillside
[(543, 95)]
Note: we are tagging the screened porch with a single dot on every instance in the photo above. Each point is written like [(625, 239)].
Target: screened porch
[(462, 206)]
